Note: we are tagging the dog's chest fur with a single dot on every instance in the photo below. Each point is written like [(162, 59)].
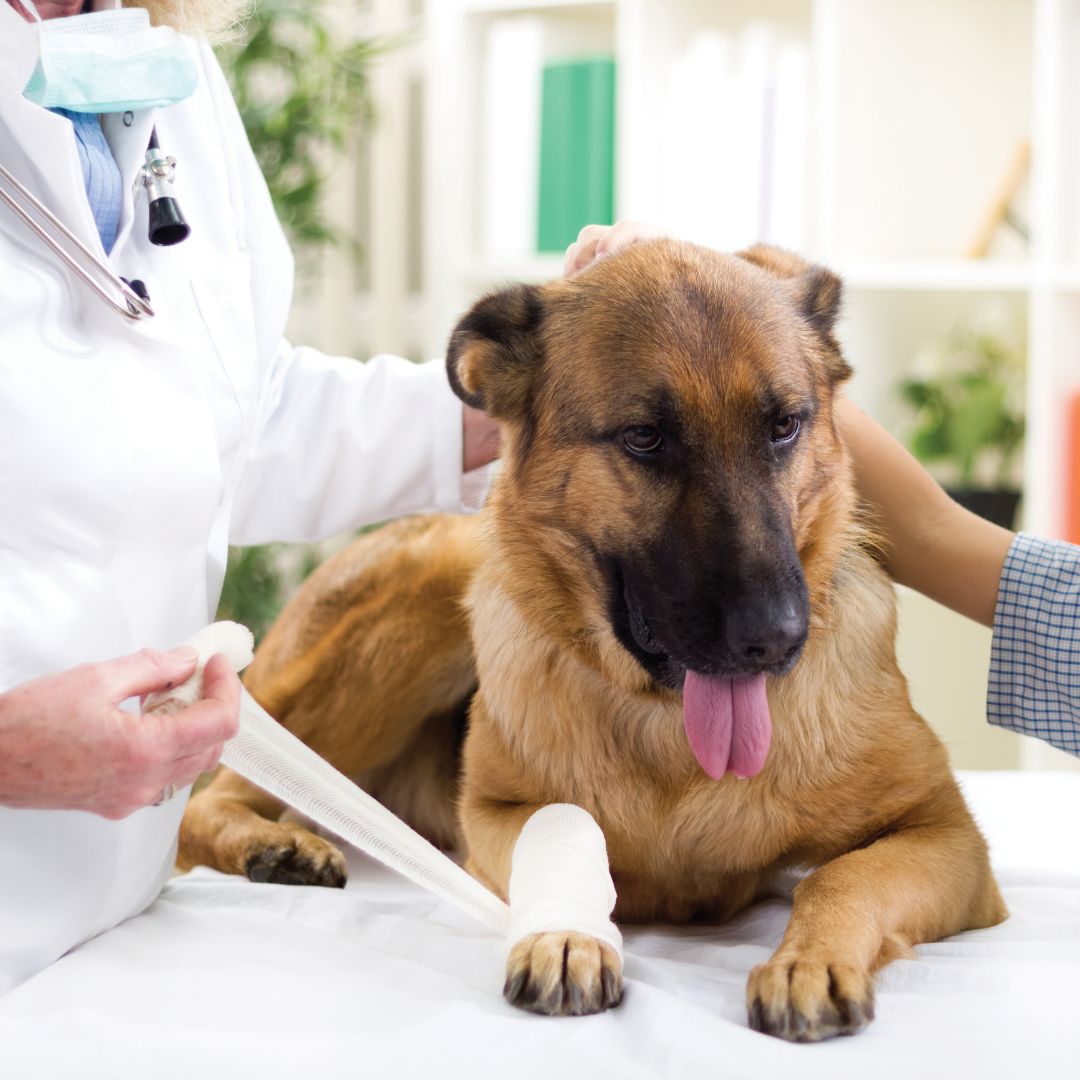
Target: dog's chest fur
[(680, 845)]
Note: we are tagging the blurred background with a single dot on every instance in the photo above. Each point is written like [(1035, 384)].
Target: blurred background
[(421, 152)]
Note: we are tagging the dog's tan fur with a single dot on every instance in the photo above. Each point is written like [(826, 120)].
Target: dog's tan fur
[(371, 660)]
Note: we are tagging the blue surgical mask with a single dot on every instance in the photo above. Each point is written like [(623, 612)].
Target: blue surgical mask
[(109, 61)]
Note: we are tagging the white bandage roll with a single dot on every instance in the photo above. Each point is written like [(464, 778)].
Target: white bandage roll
[(559, 877), (230, 638)]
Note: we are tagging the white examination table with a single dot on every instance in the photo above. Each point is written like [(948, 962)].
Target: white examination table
[(225, 978)]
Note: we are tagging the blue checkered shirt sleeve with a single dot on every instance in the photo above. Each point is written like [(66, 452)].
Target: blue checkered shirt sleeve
[(1034, 685)]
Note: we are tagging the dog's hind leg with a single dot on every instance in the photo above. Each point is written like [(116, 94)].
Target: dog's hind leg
[(370, 665)]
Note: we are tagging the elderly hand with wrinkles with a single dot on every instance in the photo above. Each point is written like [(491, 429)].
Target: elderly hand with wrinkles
[(67, 744)]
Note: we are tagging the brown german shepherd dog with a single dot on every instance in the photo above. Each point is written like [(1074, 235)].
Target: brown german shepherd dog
[(673, 620)]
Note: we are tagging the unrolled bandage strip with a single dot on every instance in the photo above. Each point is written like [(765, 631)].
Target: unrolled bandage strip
[(275, 760), (559, 877)]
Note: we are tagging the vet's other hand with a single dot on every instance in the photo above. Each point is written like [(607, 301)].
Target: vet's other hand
[(65, 744), (596, 242), (480, 439)]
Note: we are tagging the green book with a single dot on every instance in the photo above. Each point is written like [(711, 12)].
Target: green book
[(577, 149)]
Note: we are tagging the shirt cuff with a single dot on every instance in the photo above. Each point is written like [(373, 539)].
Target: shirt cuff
[(1034, 681)]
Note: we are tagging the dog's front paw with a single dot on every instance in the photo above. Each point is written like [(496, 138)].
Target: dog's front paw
[(563, 974), (290, 855), (807, 999)]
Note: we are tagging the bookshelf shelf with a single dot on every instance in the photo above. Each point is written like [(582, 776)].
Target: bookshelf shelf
[(938, 276), (485, 272)]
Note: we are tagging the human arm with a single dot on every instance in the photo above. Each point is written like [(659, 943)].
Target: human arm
[(327, 443), (930, 542), (65, 744), (337, 444)]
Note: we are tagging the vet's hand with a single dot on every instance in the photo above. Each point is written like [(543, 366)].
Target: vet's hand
[(66, 745), (596, 242), (480, 439)]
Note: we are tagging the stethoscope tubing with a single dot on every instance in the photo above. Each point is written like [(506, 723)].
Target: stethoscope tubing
[(123, 299)]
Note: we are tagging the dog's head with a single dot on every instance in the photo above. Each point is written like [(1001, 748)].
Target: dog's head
[(673, 474)]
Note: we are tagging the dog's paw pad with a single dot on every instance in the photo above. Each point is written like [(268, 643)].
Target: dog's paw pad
[(563, 974), (305, 860), (806, 999)]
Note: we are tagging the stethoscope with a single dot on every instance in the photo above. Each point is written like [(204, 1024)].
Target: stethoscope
[(166, 227)]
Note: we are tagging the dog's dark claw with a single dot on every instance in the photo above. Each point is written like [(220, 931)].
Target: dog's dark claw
[(612, 988), (514, 985), (757, 1015)]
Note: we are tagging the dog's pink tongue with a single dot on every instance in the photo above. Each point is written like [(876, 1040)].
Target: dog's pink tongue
[(727, 723)]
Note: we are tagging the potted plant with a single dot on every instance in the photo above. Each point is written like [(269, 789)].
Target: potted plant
[(969, 419)]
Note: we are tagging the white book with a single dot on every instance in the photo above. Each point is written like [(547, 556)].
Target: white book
[(786, 178), (697, 120), (510, 149), (748, 169), (720, 138)]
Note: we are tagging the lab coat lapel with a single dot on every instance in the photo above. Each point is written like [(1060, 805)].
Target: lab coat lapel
[(37, 146)]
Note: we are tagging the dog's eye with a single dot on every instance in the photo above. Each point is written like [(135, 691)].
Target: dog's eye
[(642, 440), (785, 429)]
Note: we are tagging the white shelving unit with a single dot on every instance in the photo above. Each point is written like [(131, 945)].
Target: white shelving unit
[(915, 108)]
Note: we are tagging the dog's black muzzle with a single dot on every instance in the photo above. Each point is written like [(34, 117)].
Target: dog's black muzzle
[(758, 625)]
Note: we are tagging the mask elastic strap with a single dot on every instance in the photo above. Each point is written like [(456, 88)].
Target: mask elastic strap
[(31, 9)]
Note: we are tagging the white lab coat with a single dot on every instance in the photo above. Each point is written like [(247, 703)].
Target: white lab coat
[(132, 454)]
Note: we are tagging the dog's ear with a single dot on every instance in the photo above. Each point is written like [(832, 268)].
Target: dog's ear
[(495, 350), (817, 293)]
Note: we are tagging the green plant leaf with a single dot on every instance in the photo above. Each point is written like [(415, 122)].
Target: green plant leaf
[(970, 416), (302, 88)]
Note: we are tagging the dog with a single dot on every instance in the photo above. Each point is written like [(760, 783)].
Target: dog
[(669, 614)]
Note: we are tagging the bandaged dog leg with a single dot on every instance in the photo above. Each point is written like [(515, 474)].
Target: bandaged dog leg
[(566, 953), (275, 760)]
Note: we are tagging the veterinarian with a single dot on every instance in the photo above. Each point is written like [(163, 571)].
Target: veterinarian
[(133, 452), (1025, 587)]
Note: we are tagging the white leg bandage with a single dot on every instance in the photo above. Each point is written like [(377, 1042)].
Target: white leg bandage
[(559, 877)]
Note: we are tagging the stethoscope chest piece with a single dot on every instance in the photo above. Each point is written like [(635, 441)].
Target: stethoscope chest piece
[(167, 224)]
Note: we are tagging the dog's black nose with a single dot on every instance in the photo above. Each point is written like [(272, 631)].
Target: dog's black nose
[(767, 636)]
